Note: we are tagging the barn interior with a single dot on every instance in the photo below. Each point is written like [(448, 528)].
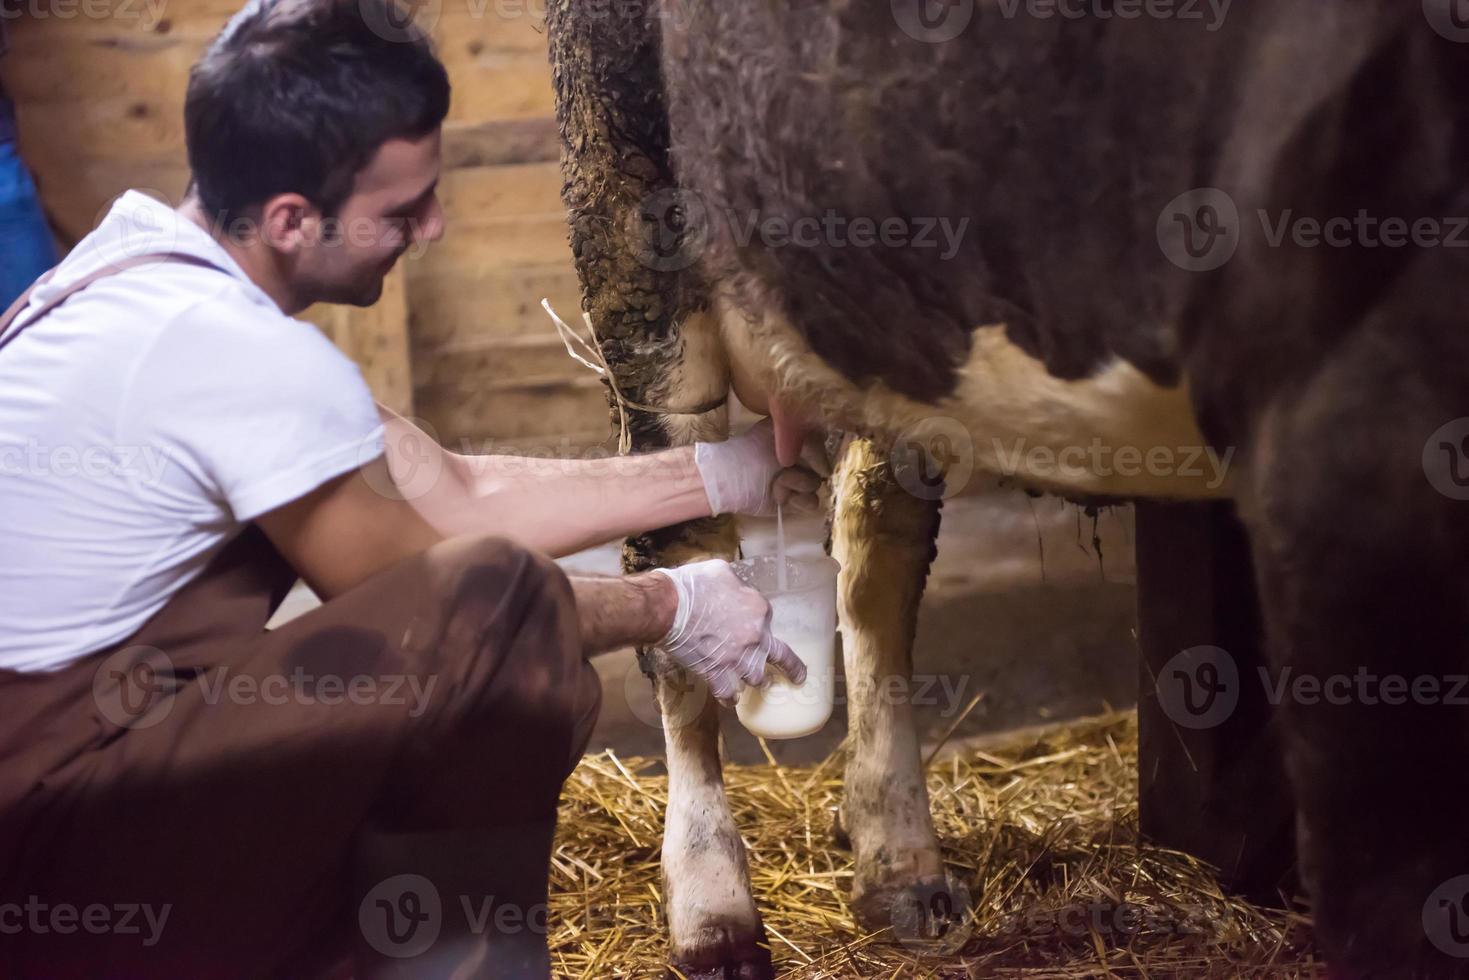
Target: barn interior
[(1027, 674)]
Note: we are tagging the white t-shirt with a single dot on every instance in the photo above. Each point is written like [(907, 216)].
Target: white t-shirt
[(144, 423)]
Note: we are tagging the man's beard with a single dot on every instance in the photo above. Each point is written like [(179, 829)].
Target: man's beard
[(362, 292)]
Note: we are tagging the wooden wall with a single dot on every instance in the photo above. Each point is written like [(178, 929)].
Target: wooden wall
[(459, 338)]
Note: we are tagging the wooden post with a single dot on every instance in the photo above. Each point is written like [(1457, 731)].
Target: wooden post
[(1213, 787)]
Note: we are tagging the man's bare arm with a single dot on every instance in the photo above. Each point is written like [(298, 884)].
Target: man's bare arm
[(349, 528), (619, 612), (557, 506)]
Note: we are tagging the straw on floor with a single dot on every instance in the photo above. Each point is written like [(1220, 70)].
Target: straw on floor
[(1042, 831)]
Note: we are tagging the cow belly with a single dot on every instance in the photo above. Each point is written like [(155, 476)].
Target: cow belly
[(1115, 434)]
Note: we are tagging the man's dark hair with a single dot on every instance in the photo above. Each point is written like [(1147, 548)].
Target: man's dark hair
[(295, 96)]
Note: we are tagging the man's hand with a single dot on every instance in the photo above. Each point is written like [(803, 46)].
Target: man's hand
[(743, 476), (721, 631)]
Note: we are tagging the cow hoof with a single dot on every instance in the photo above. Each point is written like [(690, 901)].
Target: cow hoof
[(932, 914), (725, 952)]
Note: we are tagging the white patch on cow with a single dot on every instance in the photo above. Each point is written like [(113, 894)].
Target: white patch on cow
[(1116, 434)]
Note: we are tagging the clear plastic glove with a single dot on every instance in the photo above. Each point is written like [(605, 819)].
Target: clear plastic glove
[(742, 475), (722, 631)]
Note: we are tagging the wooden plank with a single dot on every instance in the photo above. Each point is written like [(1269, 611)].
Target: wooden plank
[(109, 128), (501, 141), (462, 301), (78, 193), (499, 360), (467, 31), (80, 70), (481, 195), (503, 86), (466, 415)]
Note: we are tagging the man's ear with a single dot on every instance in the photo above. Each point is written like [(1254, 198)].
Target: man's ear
[(289, 223)]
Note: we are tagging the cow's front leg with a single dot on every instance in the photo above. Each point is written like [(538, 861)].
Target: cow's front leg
[(884, 538), (715, 931)]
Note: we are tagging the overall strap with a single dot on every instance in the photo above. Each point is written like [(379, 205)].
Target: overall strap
[(112, 268)]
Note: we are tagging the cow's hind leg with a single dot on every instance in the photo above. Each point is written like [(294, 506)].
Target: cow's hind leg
[(884, 538), (1363, 553)]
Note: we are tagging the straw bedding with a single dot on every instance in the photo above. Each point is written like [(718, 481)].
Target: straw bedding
[(1042, 830)]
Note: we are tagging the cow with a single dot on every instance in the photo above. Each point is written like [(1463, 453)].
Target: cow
[(1175, 235)]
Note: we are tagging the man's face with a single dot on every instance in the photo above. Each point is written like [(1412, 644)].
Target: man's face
[(394, 207)]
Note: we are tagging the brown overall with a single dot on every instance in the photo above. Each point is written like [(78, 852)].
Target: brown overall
[(369, 790)]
